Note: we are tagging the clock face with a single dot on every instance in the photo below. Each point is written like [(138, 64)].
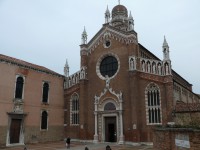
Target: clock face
[(108, 66)]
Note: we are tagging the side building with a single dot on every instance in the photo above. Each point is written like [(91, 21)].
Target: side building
[(31, 103), (122, 90)]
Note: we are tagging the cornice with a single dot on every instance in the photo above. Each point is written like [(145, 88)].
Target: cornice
[(30, 67)]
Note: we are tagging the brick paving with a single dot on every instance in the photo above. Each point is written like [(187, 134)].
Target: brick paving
[(78, 146)]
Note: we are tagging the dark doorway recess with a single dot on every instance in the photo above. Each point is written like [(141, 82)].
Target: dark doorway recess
[(110, 129)]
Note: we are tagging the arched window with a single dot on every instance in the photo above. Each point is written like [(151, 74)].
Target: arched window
[(19, 87), (45, 93), (44, 119), (109, 106), (153, 106), (74, 118)]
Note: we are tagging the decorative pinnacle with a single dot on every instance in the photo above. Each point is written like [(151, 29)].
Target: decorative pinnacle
[(165, 42), (84, 31), (130, 16), (84, 36), (66, 64), (119, 2), (107, 10)]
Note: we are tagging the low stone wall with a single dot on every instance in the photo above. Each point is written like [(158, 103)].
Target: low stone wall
[(176, 139), (3, 135), (34, 135)]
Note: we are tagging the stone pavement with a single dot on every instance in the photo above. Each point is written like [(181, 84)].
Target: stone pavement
[(78, 146)]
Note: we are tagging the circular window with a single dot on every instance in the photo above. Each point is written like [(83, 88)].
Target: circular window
[(107, 43), (108, 66)]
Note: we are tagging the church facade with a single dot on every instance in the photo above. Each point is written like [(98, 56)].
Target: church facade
[(122, 90)]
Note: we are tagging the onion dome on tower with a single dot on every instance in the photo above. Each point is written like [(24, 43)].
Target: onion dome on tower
[(120, 17)]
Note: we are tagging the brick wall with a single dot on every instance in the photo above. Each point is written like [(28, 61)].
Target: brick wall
[(164, 138)]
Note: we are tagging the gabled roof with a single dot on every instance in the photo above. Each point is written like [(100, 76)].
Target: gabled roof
[(27, 65), (130, 37)]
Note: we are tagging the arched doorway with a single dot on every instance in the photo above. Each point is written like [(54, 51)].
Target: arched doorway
[(110, 129)]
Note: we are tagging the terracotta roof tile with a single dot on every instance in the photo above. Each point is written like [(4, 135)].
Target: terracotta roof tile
[(15, 61), (187, 107)]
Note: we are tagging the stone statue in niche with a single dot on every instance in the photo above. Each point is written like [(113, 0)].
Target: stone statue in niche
[(154, 68), (149, 67), (96, 99), (82, 75), (167, 69), (131, 64), (120, 95), (73, 80), (17, 108), (159, 69), (143, 66)]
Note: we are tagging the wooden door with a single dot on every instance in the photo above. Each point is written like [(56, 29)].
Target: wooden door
[(15, 128)]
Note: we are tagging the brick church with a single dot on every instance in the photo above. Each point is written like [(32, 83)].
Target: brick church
[(122, 90), (120, 93)]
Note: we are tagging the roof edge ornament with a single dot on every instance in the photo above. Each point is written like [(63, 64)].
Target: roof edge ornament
[(165, 42), (84, 36), (107, 15)]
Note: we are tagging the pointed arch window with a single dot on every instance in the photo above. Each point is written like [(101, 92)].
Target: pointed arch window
[(74, 117), (45, 93), (19, 87), (44, 120), (153, 107)]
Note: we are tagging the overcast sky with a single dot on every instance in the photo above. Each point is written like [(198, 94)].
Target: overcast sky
[(47, 32)]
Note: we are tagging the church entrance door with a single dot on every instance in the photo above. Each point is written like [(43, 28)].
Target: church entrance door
[(110, 129), (15, 130)]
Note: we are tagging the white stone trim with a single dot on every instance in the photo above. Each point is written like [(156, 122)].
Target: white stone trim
[(123, 38), (147, 107), (99, 113), (77, 111), (99, 63)]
